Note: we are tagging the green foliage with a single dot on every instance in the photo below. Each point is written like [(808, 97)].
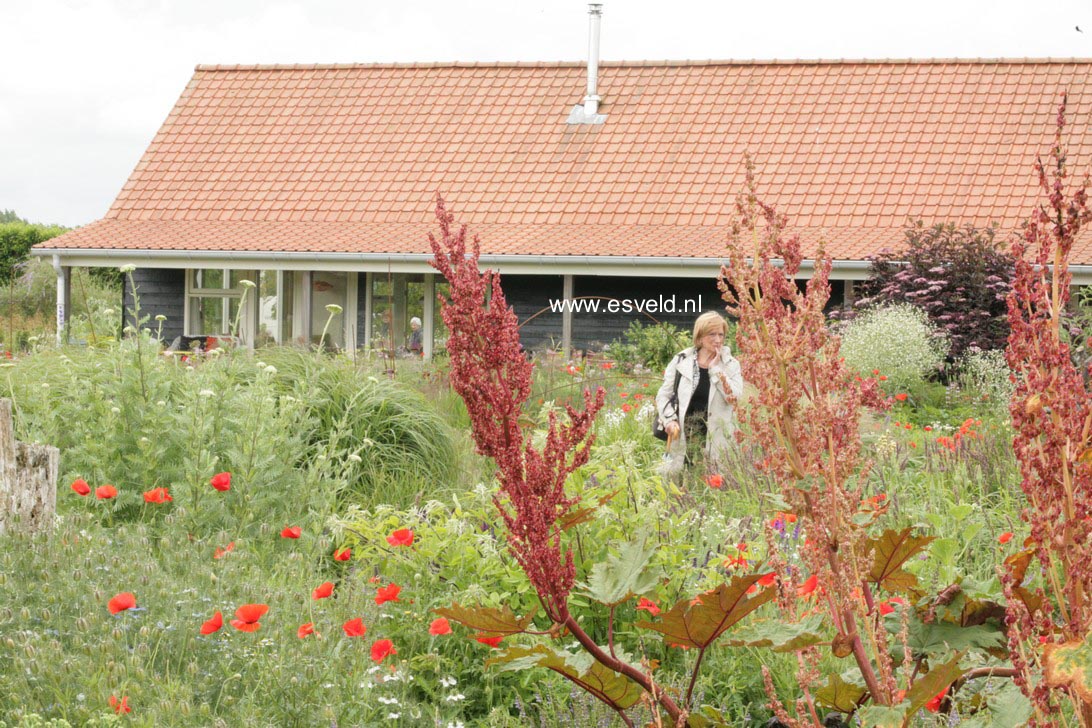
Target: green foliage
[(10, 216), (899, 341), (651, 346), (16, 240), (286, 424)]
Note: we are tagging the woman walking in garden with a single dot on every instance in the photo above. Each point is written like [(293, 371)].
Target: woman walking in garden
[(696, 401)]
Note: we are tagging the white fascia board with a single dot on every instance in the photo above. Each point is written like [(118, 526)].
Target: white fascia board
[(419, 263)]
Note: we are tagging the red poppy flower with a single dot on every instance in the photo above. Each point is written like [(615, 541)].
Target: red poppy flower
[(388, 593), (626, 407), (354, 628), (305, 629), (382, 649), (121, 602), (291, 532), (933, 706), (247, 617), (106, 492), (1005, 537), (901, 396), (401, 537), (649, 606), (883, 377), (80, 486), (221, 481), (322, 591), (875, 372), (219, 553), (343, 555), (714, 481), (214, 624), (121, 707), (767, 579), (493, 642), (808, 586), (157, 495), (439, 626), (889, 606)]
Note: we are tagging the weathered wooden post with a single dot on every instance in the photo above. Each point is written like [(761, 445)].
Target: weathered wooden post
[(28, 479)]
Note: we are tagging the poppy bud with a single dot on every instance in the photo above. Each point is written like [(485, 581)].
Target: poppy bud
[(46, 616), (144, 631), (81, 624), (29, 650), (184, 709), (24, 614), (3, 579)]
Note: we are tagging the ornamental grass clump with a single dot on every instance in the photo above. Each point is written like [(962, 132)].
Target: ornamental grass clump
[(1051, 408), (899, 341)]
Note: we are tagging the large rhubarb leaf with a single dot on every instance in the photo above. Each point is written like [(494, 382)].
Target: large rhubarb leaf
[(781, 636), (928, 685), (489, 620), (609, 686), (697, 622), (889, 552), (1069, 665), (839, 695), (623, 576)]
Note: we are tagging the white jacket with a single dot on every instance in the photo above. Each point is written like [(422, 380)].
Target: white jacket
[(720, 410)]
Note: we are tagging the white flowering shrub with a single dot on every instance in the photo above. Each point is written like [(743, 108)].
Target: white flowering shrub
[(988, 373), (898, 341)]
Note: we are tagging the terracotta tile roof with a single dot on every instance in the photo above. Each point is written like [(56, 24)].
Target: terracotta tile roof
[(347, 158)]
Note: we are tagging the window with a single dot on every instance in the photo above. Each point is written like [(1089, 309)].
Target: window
[(213, 298)]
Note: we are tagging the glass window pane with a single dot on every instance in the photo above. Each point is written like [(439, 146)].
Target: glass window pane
[(328, 289), (382, 308), (288, 303), (206, 316), (267, 308), (439, 330), (236, 277), (208, 278)]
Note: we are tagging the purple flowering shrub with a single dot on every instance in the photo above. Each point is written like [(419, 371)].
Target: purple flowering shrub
[(958, 275)]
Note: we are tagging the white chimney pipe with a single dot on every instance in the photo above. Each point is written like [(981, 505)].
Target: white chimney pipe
[(591, 101)]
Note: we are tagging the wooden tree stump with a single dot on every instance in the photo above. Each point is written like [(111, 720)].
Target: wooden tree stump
[(28, 479)]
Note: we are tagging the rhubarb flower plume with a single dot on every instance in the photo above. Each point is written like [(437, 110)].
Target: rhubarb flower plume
[(493, 376)]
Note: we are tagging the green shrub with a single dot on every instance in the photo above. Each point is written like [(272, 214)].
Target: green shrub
[(650, 346), (898, 341)]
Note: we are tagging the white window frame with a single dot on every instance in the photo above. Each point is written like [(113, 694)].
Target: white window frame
[(247, 319)]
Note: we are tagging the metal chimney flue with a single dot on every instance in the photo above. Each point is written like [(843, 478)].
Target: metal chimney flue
[(591, 101), (588, 111)]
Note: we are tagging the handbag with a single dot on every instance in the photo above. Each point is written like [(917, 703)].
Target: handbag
[(657, 429)]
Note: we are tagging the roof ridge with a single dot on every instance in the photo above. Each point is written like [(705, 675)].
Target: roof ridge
[(617, 64)]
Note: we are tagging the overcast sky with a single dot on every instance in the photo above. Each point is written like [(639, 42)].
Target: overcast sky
[(86, 83)]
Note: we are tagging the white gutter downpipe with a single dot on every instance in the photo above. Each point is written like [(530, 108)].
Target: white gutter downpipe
[(64, 298), (591, 101)]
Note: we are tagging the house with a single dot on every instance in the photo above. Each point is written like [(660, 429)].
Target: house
[(606, 181)]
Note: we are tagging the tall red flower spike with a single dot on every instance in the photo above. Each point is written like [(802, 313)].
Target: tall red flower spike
[(1051, 410), (493, 377), (806, 411)]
